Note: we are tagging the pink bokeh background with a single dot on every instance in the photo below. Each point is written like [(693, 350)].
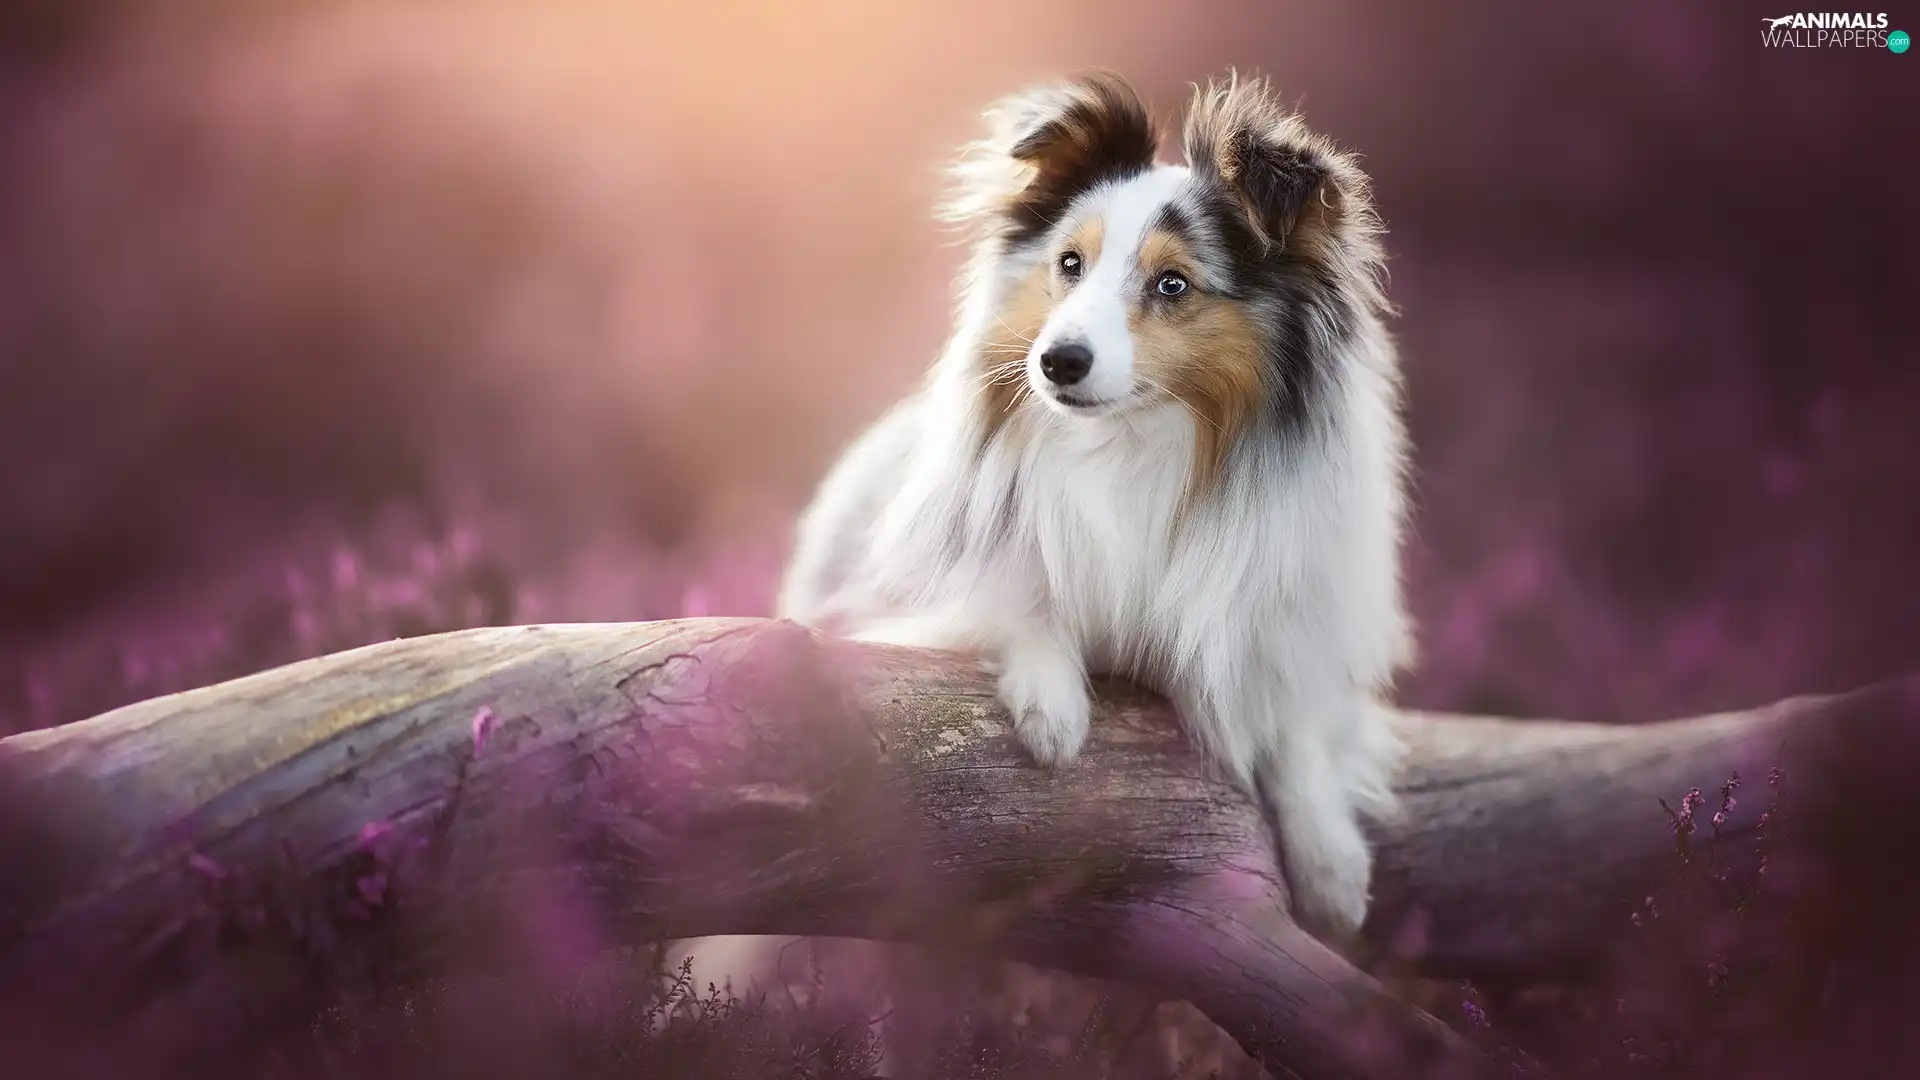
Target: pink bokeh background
[(329, 322)]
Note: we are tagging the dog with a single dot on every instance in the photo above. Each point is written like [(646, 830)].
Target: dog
[(1164, 443)]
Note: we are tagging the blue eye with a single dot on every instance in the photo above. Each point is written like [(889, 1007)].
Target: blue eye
[(1171, 284)]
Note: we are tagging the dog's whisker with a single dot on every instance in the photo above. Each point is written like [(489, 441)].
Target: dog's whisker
[(1017, 334), (1002, 374), (1184, 403)]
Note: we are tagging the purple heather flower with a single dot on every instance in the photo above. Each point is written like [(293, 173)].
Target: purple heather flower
[(345, 569), (463, 544), (373, 888), (206, 867), (483, 725), (373, 831)]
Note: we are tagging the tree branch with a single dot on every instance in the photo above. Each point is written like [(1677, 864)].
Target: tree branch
[(196, 870)]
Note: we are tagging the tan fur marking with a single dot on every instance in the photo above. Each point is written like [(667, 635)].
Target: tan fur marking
[(1002, 360), (1201, 350), (1086, 238), (1002, 363), (1161, 251)]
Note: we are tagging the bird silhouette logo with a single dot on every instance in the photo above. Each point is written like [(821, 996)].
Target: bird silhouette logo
[(1775, 23)]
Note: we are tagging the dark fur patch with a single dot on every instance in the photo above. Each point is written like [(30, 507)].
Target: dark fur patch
[(1174, 219), (1239, 136), (1006, 514), (1092, 130), (1278, 180)]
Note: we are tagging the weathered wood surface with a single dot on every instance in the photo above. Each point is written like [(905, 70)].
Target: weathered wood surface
[(200, 868)]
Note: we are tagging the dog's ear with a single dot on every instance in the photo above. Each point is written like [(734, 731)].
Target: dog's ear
[(1237, 134), (1048, 145)]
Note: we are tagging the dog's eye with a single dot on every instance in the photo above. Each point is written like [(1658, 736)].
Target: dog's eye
[(1070, 264), (1171, 284)]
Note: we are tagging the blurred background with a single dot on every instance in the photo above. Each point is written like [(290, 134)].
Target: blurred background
[(326, 323)]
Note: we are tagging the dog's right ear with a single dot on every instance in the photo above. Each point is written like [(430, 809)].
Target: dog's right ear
[(1047, 146)]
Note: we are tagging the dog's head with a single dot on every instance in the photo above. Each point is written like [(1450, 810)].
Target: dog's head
[(1225, 285)]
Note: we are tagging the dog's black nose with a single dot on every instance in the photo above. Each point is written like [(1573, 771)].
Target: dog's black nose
[(1066, 363)]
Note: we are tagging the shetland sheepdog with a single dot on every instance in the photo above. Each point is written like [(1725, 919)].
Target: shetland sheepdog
[(1163, 443)]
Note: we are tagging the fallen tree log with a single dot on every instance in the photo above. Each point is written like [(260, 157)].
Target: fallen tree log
[(199, 870)]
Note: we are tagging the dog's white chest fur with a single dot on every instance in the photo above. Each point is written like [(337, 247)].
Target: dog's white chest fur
[(1098, 507)]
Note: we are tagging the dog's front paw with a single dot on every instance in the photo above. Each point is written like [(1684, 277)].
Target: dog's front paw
[(1047, 695), (1331, 875)]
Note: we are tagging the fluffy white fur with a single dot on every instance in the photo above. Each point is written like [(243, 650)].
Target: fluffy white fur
[(1270, 613)]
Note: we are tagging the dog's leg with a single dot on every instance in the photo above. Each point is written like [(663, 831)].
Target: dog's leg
[(1304, 781), (1043, 684)]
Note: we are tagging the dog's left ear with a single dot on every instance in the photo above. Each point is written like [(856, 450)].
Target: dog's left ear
[(1240, 136)]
